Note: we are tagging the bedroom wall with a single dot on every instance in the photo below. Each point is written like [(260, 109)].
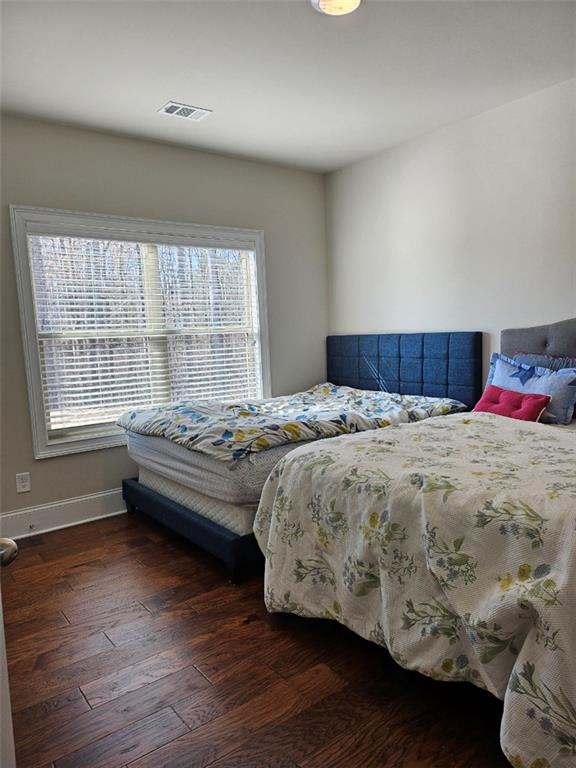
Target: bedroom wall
[(61, 167), (471, 227)]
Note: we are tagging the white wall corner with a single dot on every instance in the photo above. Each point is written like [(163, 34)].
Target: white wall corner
[(61, 514)]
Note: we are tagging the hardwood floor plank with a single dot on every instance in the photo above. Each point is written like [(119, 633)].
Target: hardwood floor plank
[(28, 612), (118, 566), (217, 737), (46, 744), (142, 562), (305, 733), (50, 713), (6, 580), (94, 611), (62, 656), (406, 739), (176, 597), (15, 630), (97, 547), (14, 596), (27, 579), (67, 567), (84, 538), (30, 542), (237, 686), (316, 683), (185, 617), (307, 648), (118, 591), (235, 760), (241, 718), (263, 646), (196, 633), (86, 531), (62, 597), (174, 546), (376, 741), (177, 562), (220, 596), (78, 605), (57, 640), (26, 557), (128, 743), (131, 678)]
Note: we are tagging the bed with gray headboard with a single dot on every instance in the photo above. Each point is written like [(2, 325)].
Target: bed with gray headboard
[(556, 339), (449, 542)]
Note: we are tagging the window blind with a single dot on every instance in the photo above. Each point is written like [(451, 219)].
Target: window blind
[(128, 324)]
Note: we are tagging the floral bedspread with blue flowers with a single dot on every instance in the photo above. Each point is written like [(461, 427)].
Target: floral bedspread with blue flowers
[(451, 543), (234, 431)]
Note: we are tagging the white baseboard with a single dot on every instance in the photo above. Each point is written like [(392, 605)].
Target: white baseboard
[(61, 514)]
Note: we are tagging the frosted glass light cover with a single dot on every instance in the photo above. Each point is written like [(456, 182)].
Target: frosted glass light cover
[(336, 7)]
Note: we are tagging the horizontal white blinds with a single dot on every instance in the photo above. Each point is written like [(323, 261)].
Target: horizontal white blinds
[(127, 324)]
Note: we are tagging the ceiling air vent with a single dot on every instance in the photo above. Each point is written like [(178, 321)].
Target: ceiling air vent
[(185, 111)]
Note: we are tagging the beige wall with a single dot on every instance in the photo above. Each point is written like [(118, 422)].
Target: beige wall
[(471, 227), (60, 167)]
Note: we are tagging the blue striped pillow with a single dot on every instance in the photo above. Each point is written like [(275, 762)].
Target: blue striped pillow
[(546, 361)]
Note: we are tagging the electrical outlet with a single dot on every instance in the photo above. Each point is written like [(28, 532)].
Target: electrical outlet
[(23, 484)]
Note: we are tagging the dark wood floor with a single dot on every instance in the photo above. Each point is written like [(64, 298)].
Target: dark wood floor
[(126, 646)]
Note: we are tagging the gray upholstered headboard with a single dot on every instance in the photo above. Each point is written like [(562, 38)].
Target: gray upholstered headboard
[(556, 339)]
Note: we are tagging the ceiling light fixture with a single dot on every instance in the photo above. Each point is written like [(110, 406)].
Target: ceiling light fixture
[(335, 7)]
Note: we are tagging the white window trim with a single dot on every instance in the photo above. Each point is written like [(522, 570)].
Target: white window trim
[(28, 220)]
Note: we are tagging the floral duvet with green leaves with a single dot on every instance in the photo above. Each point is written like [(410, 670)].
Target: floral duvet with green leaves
[(231, 431), (452, 543)]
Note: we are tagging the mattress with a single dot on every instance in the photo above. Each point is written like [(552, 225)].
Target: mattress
[(238, 483), (236, 517)]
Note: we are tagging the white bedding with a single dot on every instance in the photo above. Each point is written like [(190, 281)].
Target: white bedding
[(239, 483), (237, 518), (450, 542)]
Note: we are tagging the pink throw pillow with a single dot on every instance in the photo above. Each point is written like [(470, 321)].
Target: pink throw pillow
[(515, 405)]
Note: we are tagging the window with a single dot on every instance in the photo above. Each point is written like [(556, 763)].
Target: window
[(122, 313)]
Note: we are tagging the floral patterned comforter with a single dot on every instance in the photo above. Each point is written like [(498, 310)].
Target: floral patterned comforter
[(234, 431), (451, 543)]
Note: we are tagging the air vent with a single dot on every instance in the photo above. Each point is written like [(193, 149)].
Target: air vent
[(185, 111)]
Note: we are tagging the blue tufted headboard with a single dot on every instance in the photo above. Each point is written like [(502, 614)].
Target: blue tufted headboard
[(433, 364)]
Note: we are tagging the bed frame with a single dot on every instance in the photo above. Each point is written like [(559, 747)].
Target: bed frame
[(241, 555), (433, 364)]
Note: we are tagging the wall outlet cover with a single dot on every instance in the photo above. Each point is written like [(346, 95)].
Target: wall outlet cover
[(23, 483)]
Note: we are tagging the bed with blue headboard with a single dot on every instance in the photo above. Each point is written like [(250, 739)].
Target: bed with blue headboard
[(431, 364), (443, 365)]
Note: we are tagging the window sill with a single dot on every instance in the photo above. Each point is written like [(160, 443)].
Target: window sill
[(79, 444)]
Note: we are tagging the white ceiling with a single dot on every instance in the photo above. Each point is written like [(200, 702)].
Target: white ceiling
[(286, 84)]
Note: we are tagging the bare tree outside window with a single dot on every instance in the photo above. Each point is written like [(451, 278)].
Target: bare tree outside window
[(129, 324)]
